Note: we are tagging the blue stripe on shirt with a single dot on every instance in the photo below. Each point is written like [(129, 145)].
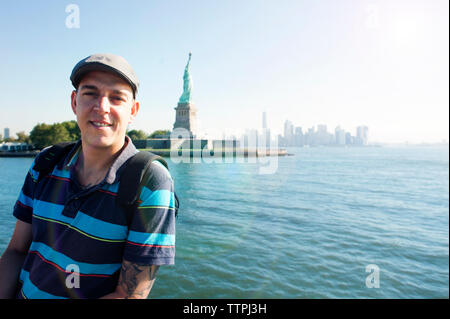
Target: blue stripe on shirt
[(151, 238), (33, 292), (24, 199), (50, 210), (83, 222), (100, 228), (61, 173), (156, 198)]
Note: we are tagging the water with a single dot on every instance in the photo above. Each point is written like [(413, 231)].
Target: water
[(307, 231)]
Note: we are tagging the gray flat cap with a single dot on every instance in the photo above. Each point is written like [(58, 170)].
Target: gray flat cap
[(105, 62)]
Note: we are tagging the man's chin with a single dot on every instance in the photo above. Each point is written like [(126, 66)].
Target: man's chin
[(100, 143)]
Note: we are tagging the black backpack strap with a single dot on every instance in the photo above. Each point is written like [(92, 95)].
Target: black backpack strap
[(132, 178), (46, 161)]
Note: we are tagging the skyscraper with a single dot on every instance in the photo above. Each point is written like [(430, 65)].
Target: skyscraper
[(6, 133), (322, 136), (264, 120), (298, 136), (349, 139), (362, 135), (340, 136), (265, 136), (288, 132), (310, 138)]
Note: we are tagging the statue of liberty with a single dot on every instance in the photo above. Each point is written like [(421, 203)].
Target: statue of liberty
[(187, 84)]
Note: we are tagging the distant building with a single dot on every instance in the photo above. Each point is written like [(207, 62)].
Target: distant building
[(349, 139), (264, 120), (6, 133), (265, 135), (322, 136), (250, 138), (15, 147), (321, 128), (340, 136), (310, 138), (362, 135), (289, 133), (298, 139), (280, 140)]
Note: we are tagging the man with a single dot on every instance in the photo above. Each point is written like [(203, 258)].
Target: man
[(71, 239)]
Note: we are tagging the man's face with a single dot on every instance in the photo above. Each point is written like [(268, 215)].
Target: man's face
[(104, 106)]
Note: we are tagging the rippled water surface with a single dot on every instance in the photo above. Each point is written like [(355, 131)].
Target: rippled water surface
[(307, 231)]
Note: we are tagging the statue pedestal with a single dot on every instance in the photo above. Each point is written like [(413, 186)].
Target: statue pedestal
[(186, 116)]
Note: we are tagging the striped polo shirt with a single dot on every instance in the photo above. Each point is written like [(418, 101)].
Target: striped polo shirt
[(83, 231)]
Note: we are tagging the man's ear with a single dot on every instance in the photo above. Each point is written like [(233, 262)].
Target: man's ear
[(73, 101), (134, 111)]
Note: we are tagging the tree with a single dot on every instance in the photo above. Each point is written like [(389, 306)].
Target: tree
[(22, 137), (40, 135), (137, 135), (43, 135), (59, 133), (73, 129), (160, 134)]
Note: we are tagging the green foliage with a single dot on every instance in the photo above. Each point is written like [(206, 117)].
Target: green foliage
[(73, 129), (40, 135), (137, 135), (22, 137), (159, 133), (43, 135)]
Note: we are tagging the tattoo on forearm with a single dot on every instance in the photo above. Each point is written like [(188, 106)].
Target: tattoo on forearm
[(137, 280)]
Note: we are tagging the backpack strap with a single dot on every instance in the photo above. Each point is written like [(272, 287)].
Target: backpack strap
[(50, 157), (132, 179)]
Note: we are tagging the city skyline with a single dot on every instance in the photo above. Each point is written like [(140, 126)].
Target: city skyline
[(383, 64), (342, 136), (294, 135)]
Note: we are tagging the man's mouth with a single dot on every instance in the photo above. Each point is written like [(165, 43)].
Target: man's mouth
[(100, 124)]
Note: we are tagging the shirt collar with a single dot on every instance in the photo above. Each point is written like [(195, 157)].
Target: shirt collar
[(127, 152), (72, 158), (114, 171)]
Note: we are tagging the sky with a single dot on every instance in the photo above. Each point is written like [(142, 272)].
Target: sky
[(379, 63)]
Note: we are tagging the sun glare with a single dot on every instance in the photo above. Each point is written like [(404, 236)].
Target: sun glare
[(408, 29)]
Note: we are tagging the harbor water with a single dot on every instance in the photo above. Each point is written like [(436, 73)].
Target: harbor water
[(362, 222)]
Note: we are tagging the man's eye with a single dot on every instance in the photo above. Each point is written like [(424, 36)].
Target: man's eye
[(117, 98), (89, 93)]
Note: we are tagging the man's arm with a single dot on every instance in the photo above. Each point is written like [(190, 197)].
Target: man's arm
[(135, 281), (12, 259)]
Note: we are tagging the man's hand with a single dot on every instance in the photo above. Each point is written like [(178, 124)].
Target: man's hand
[(135, 281)]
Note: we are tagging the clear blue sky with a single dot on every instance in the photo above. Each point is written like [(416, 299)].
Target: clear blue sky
[(384, 64)]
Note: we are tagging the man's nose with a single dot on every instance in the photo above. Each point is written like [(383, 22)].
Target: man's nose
[(103, 104)]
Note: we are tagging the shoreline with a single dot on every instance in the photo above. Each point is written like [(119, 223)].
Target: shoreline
[(184, 153), (19, 154), (231, 152), (218, 153)]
